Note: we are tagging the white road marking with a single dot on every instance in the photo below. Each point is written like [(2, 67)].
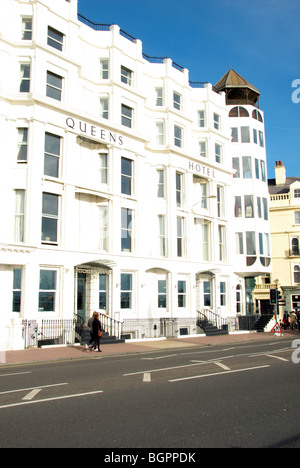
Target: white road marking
[(277, 357), (219, 373), (65, 397), (32, 388), (18, 373), (220, 364), (283, 350), (32, 394), (160, 357), (167, 368), (147, 377)]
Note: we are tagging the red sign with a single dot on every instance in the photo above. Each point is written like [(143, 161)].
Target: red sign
[(276, 328)]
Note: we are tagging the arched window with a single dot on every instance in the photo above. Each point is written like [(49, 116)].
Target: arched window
[(257, 115), (234, 112), (243, 112), (238, 111)]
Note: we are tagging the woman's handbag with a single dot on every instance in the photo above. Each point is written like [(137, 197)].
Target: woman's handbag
[(100, 334)]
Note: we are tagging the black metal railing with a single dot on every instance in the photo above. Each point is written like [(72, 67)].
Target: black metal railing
[(106, 27), (208, 316), (95, 26), (47, 331), (112, 326)]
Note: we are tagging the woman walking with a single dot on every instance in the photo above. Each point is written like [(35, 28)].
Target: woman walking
[(96, 332)]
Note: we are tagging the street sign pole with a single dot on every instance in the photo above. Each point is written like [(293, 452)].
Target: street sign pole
[(274, 300)]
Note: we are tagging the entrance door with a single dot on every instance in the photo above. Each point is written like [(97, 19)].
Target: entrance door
[(81, 297)]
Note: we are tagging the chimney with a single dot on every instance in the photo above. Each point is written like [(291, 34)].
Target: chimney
[(280, 173)]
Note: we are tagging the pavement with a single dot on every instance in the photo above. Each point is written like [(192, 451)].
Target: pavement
[(69, 353)]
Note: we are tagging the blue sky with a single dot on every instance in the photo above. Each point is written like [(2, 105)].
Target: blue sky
[(259, 39)]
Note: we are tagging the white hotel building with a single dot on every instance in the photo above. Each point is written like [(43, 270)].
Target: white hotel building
[(124, 187)]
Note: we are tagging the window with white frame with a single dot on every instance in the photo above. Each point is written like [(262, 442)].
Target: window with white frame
[(47, 290), (259, 210), (295, 246), (19, 215), (295, 301), (178, 136), (26, 29), (180, 236), (249, 206), (267, 245), (126, 76), (22, 145), (104, 107), (218, 153), (247, 167), (103, 299), (250, 243), (162, 294), (297, 217), (261, 243), (162, 235), (296, 193), (204, 192), (245, 134), (220, 201), (50, 218), (52, 155), (103, 168), (179, 190), (256, 161), (217, 121), (223, 293), (55, 39), (239, 302), (181, 294), (236, 167), (296, 273), (103, 227), (159, 101), (126, 176), (202, 236), (177, 101), (238, 207), (205, 240), (202, 149), (104, 69), (266, 209), (160, 183), (255, 139), (126, 299), (207, 300), (201, 118), (126, 230), (239, 242), (54, 86), (263, 171), (160, 133), (261, 139), (221, 231), (234, 135), (126, 116), (25, 77), (17, 290)]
